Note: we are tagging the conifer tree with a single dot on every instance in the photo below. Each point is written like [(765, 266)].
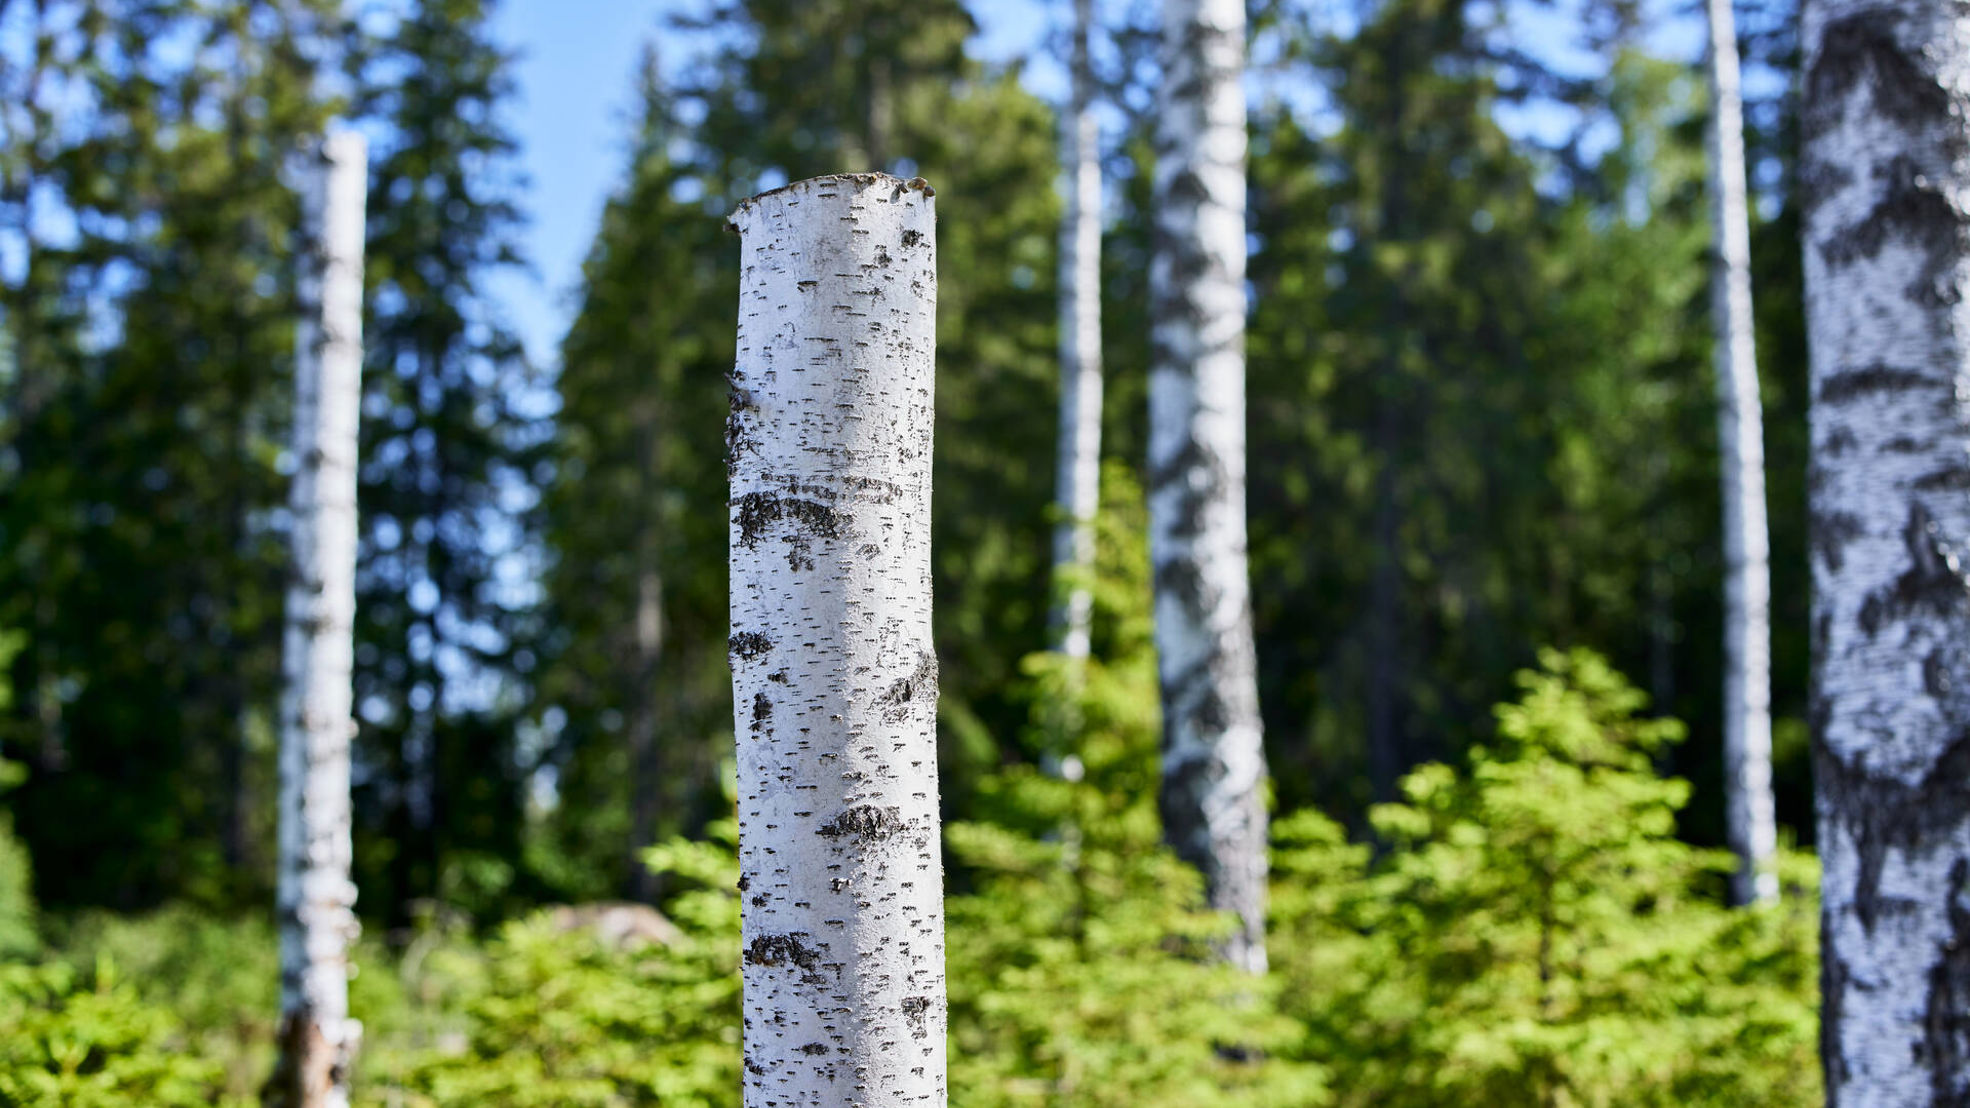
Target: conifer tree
[(448, 447), (635, 515), (1887, 260)]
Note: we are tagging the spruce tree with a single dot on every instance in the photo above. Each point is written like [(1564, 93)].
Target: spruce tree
[(447, 469)]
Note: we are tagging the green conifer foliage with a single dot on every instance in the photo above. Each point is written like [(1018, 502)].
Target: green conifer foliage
[(1536, 934), (448, 442)]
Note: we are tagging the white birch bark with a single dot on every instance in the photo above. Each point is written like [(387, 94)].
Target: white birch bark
[(1885, 191), (1741, 437), (1213, 762), (1078, 473), (834, 678), (315, 896)]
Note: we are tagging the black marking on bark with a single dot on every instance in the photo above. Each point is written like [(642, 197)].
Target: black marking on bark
[(738, 438), (864, 822), (1883, 814), (747, 645), (916, 1010), (920, 685), (753, 1067), (1936, 673), (780, 950), (1181, 797), (1945, 1046), (744, 882), (1849, 385), (1861, 45), (760, 510), (1950, 478), (814, 1049), (759, 900), (1830, 532), (1913, 207), (778, 677), (762, 712), (1838, 442), (912, 237), (1833, 997), (1934, 581)]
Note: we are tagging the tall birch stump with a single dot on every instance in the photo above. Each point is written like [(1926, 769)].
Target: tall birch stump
[(834, 678), (1885, 187), (1213, 763), (1078, 468), (1741, 441), (315, 896)]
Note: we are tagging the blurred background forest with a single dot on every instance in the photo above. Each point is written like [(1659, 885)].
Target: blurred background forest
[(1482, 424)]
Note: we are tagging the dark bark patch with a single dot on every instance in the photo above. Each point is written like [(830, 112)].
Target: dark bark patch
[(1884, 814), (1181, 797), (762, 712), (1951, 478), (1945, 1046), (920, 685), (1833, 995), (814, 1049), (864, 822), (781, 950), (1875, 380), (812, 519), (755, 1068), (912, 237), (745, 882), (1912, 207), (738, 436), (747, 645), (1830, 534), (916, 1010), (1934, 581), (1864, 47)]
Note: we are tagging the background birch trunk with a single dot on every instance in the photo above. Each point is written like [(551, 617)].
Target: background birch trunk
[(1741, 439), (315, 896), (1885, 176), (834, 678), (1078, 476), (1213, 762)]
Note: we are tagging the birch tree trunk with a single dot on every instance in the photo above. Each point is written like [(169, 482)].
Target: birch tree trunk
[(834, 678), (315, 894), (1213, 763), (1885, 178), (1078, 476), (1741, 435)]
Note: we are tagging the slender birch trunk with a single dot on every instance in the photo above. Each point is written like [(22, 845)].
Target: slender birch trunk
[(834, 678), (315, 895), (1078, 472), (1885, 184), (1213, 762), (1741, 436)]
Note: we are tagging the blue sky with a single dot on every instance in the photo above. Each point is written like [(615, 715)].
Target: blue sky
[(576, 64), (577, 61)]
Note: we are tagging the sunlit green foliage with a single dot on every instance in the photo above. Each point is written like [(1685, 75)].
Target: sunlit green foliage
[(87, 1040), (558, 1015), (1535, 934)]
